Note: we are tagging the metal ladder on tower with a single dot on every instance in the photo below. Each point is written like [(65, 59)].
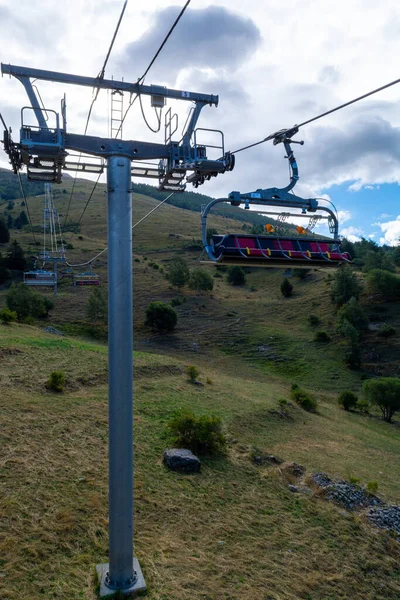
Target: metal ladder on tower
[(117, 114)]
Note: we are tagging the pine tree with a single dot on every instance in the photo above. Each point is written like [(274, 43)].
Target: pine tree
[(4, 233)]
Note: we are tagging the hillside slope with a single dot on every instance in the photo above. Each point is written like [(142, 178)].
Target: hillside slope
[(235, 531)]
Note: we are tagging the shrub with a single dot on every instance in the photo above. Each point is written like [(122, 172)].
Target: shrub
[(363, 406), (217, 275), (384, 283), (97, 306), (7, 316), (286, 288), (301, 273), (236, 276), (201, 280), (176, 301), (27, 303), (386, 331), (352, 356), (348, 400), (5, 274), (4, 233), (15, 259), (209, 381), (178, 273), (322, 336), (200, 434), (161, 317), (303, 399), (354, 314), (354, 480), (69, 246), (56, 381), (192, 373), (314, 320), (385, 393), (345, 285), (372, 487)]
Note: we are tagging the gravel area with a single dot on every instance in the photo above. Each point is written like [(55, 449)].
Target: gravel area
[(345, 494), (385, 517)]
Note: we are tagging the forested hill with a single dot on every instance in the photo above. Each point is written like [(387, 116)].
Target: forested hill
[(10, 190)]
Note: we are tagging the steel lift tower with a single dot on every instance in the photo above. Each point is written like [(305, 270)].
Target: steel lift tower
[(44, 151)]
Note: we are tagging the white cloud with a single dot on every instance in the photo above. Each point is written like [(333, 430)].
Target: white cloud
[(385, 216), (353, 234), (391, 229), (343, 216)]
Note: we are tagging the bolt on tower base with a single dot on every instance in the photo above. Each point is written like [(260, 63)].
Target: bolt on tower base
[(137, 587)]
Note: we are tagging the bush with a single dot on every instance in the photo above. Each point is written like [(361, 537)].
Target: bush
[(345, 285), (372, 487), (27, 303), (286, 288), (161, 317), (303, 399), (97, 306), (69, 246), (352, 356), (178, 273), (322, 336), (314, 320), (5, 274), (301, 273), (7, 316), (4, 233), (192, 373), (384, 283), (385, 393), (354, 314), (177, 301), (236, 276), (201, 280), (363, 406), (56, 382), (347, 400), (201, 435), (386, 331)]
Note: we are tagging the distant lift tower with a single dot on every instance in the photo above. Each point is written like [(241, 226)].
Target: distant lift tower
[(43, 150), (53, 245)]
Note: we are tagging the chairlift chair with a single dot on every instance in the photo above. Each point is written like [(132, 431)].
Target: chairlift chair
[(40, 277), (279, 247), (87, 278)]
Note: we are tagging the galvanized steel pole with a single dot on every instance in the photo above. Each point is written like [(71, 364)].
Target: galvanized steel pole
[(123, 570), (120, 372)]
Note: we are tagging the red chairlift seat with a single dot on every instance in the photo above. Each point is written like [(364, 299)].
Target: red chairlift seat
[(40, 277), (86, 279), (264, 251)]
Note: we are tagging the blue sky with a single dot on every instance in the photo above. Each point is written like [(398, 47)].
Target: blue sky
[(273, 64), (371, 212)]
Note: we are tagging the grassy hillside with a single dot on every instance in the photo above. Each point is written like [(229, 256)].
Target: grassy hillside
[(234, 531)]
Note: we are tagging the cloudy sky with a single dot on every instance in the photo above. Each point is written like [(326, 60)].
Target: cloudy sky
[(272, 63)]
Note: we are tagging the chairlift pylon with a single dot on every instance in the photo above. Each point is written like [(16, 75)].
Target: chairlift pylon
[(279, 247)]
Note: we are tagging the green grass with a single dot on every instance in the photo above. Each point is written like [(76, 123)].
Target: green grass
[(274, 543)]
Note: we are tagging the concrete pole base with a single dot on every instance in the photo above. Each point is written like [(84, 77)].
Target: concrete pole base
[(134, 590)]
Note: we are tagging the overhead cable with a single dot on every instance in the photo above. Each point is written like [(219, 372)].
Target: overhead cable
[(133, 227), (141, 79), (99, 76), (178, 18), (27, 207), (328, 112)]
